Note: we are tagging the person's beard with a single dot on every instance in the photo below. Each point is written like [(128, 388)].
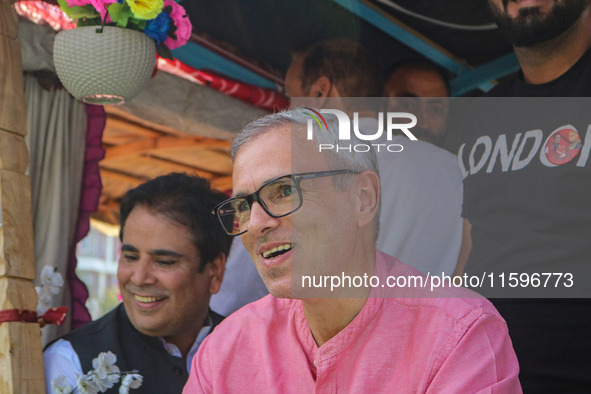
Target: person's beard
[(428, 136), (531, 27)]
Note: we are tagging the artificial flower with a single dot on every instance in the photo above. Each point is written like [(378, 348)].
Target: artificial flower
[(100, 379), (78, 3), (78, 12), (44, 297), (101, 384), (157, 29), (183, 25), (101, 6), (130, 381), (84, 9), (51, 279), (44, 294), (105, 368), (133, 380), (86, 386), (145, 9), (60, 385)]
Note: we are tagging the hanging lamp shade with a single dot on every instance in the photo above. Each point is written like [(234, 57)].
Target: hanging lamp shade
[(108, 65)]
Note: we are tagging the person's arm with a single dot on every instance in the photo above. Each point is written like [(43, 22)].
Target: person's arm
[(465, 249), (61, 359), (481, 360)]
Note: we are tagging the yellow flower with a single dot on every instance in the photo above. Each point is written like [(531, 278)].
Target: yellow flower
[(145, 9)]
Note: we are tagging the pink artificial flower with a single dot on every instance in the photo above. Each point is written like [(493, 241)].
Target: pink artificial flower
[(76, 3), (183, 25), (101, 7)]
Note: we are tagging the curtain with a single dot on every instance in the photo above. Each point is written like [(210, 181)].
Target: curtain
[(56, 134), (89, 201)]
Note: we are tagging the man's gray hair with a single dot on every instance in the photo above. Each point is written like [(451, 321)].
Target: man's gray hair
[(299, 119)]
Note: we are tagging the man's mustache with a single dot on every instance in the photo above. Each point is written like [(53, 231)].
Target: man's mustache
[(146, 291)]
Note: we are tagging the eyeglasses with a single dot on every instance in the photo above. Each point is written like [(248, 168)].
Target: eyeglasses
[(279, 197)]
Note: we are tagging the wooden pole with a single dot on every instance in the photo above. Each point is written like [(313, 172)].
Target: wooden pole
[(21, 361)]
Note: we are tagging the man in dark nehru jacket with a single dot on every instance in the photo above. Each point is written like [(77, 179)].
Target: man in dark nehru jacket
[(530, 213), (173, 255)]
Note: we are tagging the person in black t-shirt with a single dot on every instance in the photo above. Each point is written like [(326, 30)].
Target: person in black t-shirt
[(531, 213)]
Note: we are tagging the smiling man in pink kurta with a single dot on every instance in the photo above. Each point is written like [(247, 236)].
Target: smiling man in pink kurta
[(303, 212)]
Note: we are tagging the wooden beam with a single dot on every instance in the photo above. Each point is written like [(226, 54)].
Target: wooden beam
[(150, 167), (131, 181), (405, 34), (149, 145), (8, 20), (118, 126), (107, 212), (21, 361), (199, 142), (13, 116), (209, 160), (223, 183), (116, 184), (17, 257), (113, 110), (13, 152), (133, 149)]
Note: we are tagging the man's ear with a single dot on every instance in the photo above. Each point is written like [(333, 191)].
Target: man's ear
[(369, 191), (216, 270), (320, 88)]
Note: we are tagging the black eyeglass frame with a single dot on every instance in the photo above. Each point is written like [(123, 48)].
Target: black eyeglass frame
[(255, 196)]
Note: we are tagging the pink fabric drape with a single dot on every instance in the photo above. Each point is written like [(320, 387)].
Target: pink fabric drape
[(89, 199)]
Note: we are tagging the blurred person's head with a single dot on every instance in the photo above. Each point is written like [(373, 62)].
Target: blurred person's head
[(421, 88), (333, 69)]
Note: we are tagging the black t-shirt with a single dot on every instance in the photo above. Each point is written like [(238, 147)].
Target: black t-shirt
[(527, 190), (576, 82), (527, 194)]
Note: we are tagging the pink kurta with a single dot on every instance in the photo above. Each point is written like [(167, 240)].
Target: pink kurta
[(394, 345)]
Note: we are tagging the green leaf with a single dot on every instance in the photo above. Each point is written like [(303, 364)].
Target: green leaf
[(89, 22), (172, 31), (164, 52), (78, 12), (140, 23), (120, 14)]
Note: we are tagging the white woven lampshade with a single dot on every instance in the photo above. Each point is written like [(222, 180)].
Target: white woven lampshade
[(103, 68)]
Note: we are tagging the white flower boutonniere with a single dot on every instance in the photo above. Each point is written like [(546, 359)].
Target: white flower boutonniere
[(102, 377)]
